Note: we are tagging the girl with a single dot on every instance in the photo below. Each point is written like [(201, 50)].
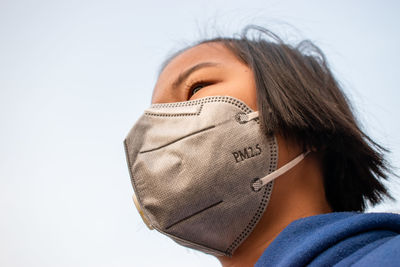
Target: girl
[(251, 152)]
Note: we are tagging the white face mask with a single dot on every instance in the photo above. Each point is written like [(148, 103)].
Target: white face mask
[(202, 171)]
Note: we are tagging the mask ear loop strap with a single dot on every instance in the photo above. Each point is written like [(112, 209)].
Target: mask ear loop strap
[(252, 116), (244, 118), (258, 183)]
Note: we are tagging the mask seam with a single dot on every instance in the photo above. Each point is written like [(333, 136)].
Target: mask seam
[(263, 204), (204, 100), (177, 140), (194, 214)]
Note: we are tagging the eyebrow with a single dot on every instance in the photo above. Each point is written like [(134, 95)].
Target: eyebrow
[(184, 75)]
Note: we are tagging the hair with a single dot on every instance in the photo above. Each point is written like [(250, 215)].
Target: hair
[(299, 98)]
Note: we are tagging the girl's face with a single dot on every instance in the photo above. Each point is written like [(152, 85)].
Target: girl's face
[(208, 69)]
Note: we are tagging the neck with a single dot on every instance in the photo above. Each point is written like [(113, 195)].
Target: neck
[(297, 194)]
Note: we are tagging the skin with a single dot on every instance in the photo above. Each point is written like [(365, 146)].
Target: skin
[(296, 194)]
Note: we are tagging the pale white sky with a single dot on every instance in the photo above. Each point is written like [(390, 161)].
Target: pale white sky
[(75, 76)]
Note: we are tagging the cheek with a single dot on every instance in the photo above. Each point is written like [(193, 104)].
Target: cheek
[(245, 90), (167, 96)]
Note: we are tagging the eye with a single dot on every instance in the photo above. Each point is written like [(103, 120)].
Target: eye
[(197, 86)]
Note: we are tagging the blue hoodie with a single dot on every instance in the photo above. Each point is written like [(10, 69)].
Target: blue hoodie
[(340, 239)]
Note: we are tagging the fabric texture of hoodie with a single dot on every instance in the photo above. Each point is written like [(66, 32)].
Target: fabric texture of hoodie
[(337, 239)]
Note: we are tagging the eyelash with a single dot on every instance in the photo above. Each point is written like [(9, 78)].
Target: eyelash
[(192, 86)]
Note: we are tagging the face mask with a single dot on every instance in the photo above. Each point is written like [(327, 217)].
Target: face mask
[(202, 171)]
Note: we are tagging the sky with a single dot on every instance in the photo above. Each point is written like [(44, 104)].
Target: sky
[(76, 75)]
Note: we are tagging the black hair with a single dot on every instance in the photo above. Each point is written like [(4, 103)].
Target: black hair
[(299, 98)]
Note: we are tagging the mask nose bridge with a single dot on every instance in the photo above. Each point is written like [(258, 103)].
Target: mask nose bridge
[(171, 110), (166, 120)]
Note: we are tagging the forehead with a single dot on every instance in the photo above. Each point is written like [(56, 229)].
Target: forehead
[(207, 52)]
